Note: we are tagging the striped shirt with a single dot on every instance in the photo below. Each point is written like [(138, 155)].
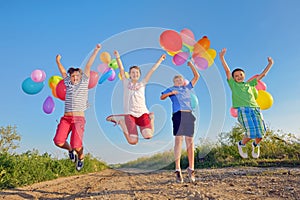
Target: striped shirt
[(76, 95)]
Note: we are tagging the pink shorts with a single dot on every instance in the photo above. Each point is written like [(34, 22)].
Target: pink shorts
[(67, 124), (143, 122)]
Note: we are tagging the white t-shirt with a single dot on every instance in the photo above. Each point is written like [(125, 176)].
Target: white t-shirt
[(134, 98)]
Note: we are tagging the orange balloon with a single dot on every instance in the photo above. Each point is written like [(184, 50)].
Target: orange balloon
[(105, 57), (204, 42), (170, 41)]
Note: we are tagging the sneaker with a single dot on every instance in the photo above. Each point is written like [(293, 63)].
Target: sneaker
[(73, 156), (179, 178), (191, 175), (255, 150), (79, 164), (241, 152), (115, 119)]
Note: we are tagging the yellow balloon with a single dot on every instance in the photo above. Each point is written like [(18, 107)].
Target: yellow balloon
[(126, 75), (172, 53), (264, 99), (54, 80), (105, 57)]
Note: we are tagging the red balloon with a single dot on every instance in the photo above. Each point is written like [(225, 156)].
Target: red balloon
[(61, 90), (233, 112), (94, 76), (170, 41)]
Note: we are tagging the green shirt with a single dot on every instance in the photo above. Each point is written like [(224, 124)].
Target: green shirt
[(243, 94)]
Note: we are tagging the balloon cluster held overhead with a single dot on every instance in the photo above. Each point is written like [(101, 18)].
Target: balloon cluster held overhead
[(263, 98), (183, 47)]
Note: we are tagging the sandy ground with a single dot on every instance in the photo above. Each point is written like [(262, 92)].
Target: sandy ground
[(225, 183)]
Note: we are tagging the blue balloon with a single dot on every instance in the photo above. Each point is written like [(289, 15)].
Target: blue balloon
[(105, 76), (194, 101), (31, 87)]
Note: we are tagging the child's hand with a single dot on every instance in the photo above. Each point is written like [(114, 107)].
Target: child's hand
[(270, 60), (98, 46), (222, 53), (163, 57), (189, 63), (58, 57), (116, 53)]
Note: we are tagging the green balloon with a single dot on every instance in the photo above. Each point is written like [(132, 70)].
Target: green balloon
[(113, 64)]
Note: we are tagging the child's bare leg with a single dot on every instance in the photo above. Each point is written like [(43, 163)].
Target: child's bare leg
[(257, 140), (245, 140), (131, 139), (190, 150), (65, 145), (79, 152), (177, 151)]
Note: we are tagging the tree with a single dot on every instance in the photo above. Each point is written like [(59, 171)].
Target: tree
[(8, 138)]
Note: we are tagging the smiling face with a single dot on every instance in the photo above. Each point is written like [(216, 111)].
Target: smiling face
[(178, 81), (75, 77), (134, 73), (238, 75)]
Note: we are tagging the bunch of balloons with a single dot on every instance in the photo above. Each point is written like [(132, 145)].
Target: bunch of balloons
[(263, 98), (107, 68), (183, 47)]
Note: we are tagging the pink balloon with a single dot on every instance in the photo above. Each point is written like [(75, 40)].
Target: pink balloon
[(200, 63), (93, 80), (48, 105), (187, 37), (102, 67), (180, 58), (233, 112), (38, 75), (260, 84)]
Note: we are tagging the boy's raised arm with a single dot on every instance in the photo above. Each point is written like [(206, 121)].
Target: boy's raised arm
[(90, 62), (195, 72), (267, 69), (224, 63), (155, 66), (60, 66), (120, 64)]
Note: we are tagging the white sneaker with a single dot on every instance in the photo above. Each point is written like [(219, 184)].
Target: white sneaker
[(255, 150), (241, 152)]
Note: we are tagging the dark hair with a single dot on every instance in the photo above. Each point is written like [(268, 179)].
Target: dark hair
[(135, 67), (236, 70), (72, 70)]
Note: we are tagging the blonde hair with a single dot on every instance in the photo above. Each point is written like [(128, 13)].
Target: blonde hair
[(177, 76)]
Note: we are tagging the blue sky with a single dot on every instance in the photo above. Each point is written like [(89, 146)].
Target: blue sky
[(34, 32)]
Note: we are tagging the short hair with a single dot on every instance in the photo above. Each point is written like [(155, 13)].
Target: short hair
[(71, 70), (177, 76), (135, 67), (236, 70)]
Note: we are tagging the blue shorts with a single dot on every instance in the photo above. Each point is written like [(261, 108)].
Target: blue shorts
[(252, 121), (183, 124)]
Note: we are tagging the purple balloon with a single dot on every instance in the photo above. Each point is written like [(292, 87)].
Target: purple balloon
[(48, 105), (180, 58), (201, 63), (112, 76)]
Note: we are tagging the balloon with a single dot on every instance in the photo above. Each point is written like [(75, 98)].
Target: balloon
[(113, 64), (264, 99), (102, 67), (61, 90), (260, 84), (105, 57), (187, 37), (54, 92), (170, 41), (38, 75), (201, 63), (194, 101), (48, 105), (233, 112), (31, 87), (94, 76), (186, 82), (204, 42), (54, 80), (180, 58), (172, 53), (105, 76), (126, 75), (112, 76)]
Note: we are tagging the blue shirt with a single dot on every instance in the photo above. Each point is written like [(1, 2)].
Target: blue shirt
[(182, 100)]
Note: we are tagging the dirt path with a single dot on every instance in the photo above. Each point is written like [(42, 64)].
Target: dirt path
[(226, 183)]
